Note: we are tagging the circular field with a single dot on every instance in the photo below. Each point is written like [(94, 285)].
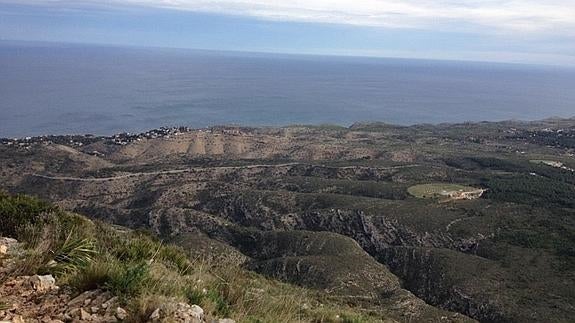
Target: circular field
[(437, 190)]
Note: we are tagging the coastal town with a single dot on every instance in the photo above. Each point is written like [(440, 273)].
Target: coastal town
[(120, 139), (81, 140)]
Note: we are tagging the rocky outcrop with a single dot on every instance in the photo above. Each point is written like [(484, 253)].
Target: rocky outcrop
[(337, 265), (425, 272), (39, 299), (174, 311)]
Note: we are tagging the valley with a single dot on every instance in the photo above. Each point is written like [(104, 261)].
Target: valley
[(422, 223)]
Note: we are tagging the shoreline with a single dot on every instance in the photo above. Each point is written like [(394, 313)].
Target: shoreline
[(168, 130)]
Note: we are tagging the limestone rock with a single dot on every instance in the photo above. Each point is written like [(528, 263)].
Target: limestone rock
[(181, 312), (195, 310), (84, 315), (121, 313), (7, 246), (155, 315), (43, 283), (109, 302), (74, 313), (82, 298)]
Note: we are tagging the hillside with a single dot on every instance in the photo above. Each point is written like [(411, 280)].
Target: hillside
[(376, 222), (65, 267)]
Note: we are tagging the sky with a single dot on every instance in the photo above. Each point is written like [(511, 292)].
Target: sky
[(518, 31)]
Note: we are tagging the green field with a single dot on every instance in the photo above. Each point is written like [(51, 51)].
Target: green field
[(436, 189)]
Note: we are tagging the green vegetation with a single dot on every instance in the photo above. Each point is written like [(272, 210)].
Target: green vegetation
[(73, 254), (18, 211), (312, 184), (483, 165), (143, 271), (532, 190)]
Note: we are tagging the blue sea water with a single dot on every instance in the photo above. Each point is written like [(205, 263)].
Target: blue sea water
[(62, 89)]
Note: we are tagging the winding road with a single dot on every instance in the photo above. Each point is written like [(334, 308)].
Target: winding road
[(189, 170)]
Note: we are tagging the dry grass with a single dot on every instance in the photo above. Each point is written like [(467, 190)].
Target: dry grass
[(4, 306)]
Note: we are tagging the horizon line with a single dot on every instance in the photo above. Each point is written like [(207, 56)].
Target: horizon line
[(290, 54)]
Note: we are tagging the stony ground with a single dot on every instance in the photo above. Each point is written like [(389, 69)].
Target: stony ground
[(39, 299)]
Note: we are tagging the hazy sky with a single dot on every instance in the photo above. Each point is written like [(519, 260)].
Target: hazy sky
[(529, 31)]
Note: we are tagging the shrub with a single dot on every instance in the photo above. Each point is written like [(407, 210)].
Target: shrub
[(175, 257), (222, 307), (194, 296), (74, 253), (95, 275), (19, 211), (128, 279), (134, 249)]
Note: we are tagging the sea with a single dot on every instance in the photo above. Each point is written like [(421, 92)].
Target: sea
[(48, 88)]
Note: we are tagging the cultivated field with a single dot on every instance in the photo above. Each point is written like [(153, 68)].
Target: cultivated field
[(437, 190)]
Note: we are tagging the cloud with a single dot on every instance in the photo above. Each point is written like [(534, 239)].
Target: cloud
[(527, 16)]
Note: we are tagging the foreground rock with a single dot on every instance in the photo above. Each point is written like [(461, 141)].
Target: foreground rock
[(43, 283), (178, 312), (38, 298)]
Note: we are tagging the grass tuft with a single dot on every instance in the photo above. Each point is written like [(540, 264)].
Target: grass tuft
[(74, 253), (128, 280)]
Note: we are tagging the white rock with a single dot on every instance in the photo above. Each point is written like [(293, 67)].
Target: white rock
[(81, 299), (6, 244), (121, 313), (8, 241), (155, 315), (43, 283), (85, 315), (73, 313), (196, 312), (109, 302)]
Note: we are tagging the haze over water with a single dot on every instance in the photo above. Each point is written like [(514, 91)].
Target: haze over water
[(62, 89)]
